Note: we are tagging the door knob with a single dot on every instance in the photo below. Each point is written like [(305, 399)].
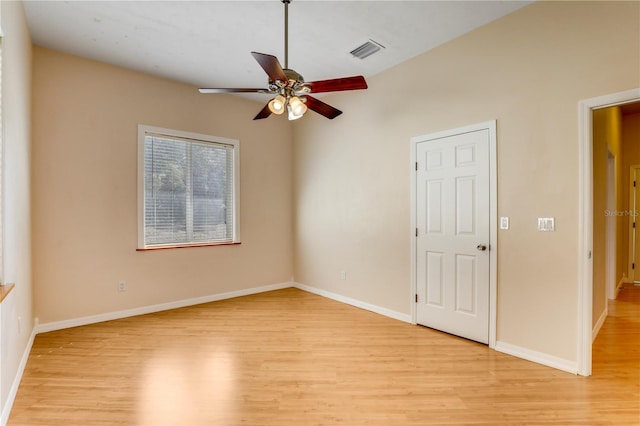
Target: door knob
[(481, 247)]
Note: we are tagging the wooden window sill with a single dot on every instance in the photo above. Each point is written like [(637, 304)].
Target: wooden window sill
[(189, 246), (5, 290)]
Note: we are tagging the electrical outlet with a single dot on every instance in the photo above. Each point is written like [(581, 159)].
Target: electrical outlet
[(343, 275), (122, 286), (546, 224)]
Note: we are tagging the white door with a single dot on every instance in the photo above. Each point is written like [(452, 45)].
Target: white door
[(634, 224), (452, 217)]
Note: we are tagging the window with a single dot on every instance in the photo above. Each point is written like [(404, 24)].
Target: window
[(188, 189)]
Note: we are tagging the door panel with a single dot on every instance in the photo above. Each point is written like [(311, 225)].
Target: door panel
[(465, 206), (466, 298), (452, 202), (434, 207), (434, 283)]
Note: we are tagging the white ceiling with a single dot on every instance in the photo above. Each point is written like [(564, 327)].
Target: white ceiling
[(208, 43)]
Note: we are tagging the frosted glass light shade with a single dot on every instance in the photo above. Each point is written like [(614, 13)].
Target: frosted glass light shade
[(296, 108), (277, 104)]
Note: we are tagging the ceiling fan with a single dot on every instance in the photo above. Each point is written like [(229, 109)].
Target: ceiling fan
[(292, 92)]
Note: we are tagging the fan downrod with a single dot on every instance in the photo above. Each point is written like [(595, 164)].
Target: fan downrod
[(286, 32), (291, 90)]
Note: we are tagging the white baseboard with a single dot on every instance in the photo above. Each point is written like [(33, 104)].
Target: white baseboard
[(11, 397), (538, 357), (76, 322), (598, 326), (619, 286), (354, 302), (517, 351)]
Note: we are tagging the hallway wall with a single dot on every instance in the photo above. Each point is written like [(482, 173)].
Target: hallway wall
[(607, 138)]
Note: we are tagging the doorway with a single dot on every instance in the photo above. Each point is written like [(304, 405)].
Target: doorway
[(586, 220)]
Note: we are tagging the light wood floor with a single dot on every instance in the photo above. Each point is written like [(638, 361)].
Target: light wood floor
[(292, 358)]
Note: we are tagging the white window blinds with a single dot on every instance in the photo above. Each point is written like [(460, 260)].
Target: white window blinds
[(189, 189)]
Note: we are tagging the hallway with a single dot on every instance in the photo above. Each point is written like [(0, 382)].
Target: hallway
[(616, 350)]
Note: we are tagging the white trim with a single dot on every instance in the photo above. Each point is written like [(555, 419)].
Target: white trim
[(11, 397), (491, 126), (3, 185), (76, 322), (354, 302), (623, 280), (611, 230), (585, 220), (493, 232), (414, 226), (598, 326), (140, 192), (537, 357), (109, 316)]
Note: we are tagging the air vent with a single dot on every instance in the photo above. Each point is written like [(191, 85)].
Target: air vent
[(367, 49)]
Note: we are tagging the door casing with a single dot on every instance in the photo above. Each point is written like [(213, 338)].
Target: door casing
[(493, 216), (611, 234)]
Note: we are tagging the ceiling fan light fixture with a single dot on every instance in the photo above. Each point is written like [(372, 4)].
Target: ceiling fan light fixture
[(292, 93), (296, 108), (277, 104)]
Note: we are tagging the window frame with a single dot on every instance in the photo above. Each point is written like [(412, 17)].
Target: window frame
[(143, 131)]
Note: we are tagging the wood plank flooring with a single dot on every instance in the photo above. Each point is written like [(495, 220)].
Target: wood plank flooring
[(293, 358)]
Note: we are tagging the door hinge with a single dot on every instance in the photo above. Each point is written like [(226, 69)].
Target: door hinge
[(633, 266), (634, 183), (416, 297), (634, 224), (416, 165), (416, 232)]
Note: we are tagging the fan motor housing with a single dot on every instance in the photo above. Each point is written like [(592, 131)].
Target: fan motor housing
[(293, 75)]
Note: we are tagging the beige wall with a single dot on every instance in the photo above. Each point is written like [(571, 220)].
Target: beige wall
[(17, 316), (85, 118), (528, 71)]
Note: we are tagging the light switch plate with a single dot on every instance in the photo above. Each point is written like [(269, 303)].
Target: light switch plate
[(504, 222), (546, 224)]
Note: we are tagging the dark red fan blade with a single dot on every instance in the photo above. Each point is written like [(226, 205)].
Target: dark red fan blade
[(271, 66), (338, 84), (264, 113), (322, 108), (229, 90)]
